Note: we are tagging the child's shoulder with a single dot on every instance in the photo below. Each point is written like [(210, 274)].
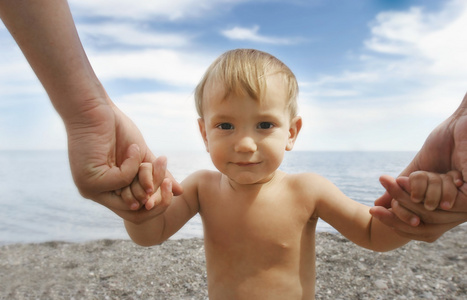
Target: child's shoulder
[(308, 189), (305, 179), (204, 176), (199, 180), (307, 182)]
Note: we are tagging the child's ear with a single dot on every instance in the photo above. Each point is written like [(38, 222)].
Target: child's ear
[(202, 130), (295, 126)]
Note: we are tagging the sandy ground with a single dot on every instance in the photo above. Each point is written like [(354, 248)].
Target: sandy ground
[(115, 269)]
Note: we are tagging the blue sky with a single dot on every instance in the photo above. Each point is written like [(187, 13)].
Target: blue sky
[(373, 75)]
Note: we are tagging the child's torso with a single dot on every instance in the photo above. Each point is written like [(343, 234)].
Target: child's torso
[(258, 242)]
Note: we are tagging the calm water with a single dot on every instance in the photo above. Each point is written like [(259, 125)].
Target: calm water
[(39, 201)]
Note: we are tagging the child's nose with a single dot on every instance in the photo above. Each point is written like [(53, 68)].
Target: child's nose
[(246, 144)]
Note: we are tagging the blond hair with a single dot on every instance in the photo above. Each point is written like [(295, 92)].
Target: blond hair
[(243, 72)]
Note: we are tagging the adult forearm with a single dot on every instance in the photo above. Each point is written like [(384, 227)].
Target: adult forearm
[(46, 33)]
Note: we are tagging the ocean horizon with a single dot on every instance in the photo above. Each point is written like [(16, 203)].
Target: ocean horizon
[(40, 202)]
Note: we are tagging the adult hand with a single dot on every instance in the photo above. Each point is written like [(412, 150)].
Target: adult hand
[(105, 151), (435, 223), (445, 149)]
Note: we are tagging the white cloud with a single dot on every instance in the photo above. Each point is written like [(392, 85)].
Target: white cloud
[(433, 43), (167, 66), (17, 78), (145, 10), (128, 34), (415, 53), (158, 105), (411, 77), (251, 34), (167, 120), (397, 32), (434, 52), (376, 124)]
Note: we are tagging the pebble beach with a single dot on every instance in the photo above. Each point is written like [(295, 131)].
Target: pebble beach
[(119, 269)]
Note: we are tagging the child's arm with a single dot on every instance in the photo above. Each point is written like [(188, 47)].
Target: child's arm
[(174, 213), (352, 219)]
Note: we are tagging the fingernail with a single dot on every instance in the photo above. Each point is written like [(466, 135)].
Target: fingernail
[(445, 205), (414, 221), (134, 206)]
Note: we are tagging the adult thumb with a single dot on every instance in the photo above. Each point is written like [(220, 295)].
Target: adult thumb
[(121, 176)]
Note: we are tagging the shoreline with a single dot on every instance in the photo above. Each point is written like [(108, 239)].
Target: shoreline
[(119, 269)]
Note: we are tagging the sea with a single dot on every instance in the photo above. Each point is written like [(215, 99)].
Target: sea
[(39, 201)]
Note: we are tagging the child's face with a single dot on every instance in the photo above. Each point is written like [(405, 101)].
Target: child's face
[(247, 138)]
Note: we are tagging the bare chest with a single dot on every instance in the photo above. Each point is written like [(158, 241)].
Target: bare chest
[(265, 230), (263, 218), (260, 246)]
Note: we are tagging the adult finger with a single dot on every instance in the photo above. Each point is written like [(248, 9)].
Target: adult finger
[(113, 201), (433, 217), (461, 200), (456, 177), (388, 218), (426, 232), (393, 188), (423, 232), (384, 200), (119, 177), (404, 214)]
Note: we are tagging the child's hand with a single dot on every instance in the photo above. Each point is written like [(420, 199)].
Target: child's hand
[(161, 197), (140, 190), (434, 190), (431, 190)]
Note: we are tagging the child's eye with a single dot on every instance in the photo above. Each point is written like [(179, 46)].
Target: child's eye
[(225, 126), (265, 125)]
